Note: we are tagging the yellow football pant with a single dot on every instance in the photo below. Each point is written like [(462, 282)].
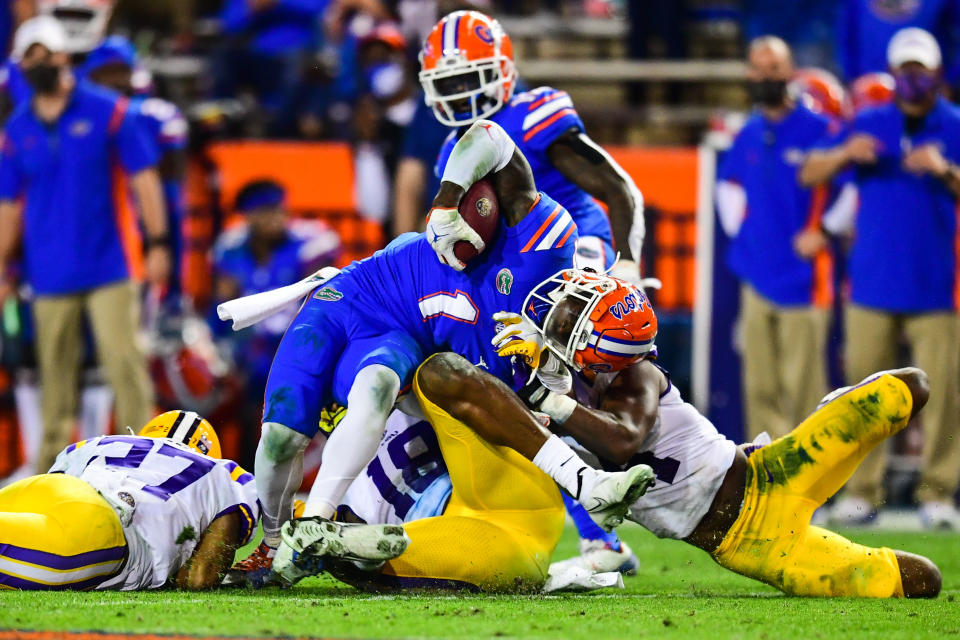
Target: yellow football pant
[(501, 525), (57, 532), (772, 539)]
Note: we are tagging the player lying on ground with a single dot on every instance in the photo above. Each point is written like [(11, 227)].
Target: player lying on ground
[(358, 339), (749, 509), (141, 512), (497, 526), (129, 512)]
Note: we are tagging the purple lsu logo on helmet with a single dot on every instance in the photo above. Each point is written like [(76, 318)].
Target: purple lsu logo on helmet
[(483, 33)]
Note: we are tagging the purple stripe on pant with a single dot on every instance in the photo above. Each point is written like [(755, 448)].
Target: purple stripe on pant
[(29, 585), (62, 563)]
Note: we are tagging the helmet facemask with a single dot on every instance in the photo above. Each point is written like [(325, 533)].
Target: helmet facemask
[(565, 307), (479, 83), (580, 322)]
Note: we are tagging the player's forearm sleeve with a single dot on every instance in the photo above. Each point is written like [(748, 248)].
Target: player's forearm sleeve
[(485, 147)]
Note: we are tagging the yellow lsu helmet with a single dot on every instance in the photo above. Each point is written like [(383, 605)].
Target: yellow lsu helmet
[(186, 427)]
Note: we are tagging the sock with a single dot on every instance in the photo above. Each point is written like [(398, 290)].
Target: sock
[(586, 527), (278, 472), (567, 469), (355, 440)]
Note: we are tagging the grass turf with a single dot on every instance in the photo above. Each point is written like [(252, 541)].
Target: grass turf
[(678, 593)]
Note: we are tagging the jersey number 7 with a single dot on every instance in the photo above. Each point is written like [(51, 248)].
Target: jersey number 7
[(198, 466)]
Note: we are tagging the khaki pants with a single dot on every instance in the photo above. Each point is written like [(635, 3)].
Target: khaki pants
[(872, 346), (114, 312), (784, 365)]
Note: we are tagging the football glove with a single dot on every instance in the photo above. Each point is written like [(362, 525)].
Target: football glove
[(445, 228), (331, 416), (518, 337), (630, 271)]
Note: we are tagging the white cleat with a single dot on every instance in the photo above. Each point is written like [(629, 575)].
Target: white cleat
[(596, 556), (613, 493), (940, 515), (305, 542), (852, 511)]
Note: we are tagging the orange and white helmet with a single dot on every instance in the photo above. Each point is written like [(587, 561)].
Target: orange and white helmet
[(820, 91), (872, 90), (592, 321), (466, 68)]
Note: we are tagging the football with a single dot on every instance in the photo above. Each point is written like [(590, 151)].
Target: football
[(479, 207)]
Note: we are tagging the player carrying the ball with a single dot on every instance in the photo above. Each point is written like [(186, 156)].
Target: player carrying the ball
[(467, 73), (359, 338)]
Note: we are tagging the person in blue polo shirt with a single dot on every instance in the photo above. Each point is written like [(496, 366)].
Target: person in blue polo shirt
[(71, 156), (784, 269), (902, 265)]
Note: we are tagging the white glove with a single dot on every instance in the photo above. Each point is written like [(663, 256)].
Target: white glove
[(445, 228), (630, 271)]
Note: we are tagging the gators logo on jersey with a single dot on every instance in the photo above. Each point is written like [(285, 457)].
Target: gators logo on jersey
[(504, 281), (328, 294)]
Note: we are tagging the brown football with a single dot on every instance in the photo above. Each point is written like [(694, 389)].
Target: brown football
[(479, 207)]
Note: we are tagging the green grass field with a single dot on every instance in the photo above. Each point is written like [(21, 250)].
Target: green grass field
[(678, 593)]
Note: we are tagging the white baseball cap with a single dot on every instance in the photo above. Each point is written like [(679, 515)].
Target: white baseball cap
[(43, 30), (913, 45)]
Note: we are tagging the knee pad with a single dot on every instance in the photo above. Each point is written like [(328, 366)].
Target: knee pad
[(376, 387), (280, 443)]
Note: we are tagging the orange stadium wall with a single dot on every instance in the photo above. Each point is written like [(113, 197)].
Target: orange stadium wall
[(320, 183)]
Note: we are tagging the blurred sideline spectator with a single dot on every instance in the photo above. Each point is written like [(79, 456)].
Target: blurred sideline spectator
[(806, 25), (865, 27), (903, 269), (270, 250), (381, 116), (114, 65), (785, 297), (81, 249), (416, 181), (266, 45)]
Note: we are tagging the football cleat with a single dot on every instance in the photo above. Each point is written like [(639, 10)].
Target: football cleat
[(612, 494), (940, 515), (598, 556), (852, 511), (306, 542), (255, 571)]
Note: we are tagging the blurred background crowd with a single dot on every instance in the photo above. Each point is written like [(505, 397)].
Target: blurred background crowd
[(275, 137)]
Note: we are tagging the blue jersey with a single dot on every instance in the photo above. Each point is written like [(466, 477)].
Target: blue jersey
[(534, 120), (400, 305)]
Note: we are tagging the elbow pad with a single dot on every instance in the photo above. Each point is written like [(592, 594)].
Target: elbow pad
[(484, 148)]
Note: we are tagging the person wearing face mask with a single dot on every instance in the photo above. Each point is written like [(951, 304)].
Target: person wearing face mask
[(71, 156), (784, 268), (902, 264)]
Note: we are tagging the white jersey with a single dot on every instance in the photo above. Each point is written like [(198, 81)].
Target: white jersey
[(687, 454), (166, 496), (407, 479)]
